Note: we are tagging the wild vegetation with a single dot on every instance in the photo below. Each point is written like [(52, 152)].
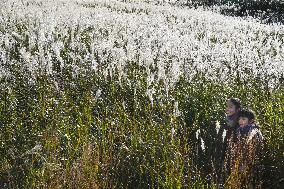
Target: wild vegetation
[(267, 11), (124, 94)]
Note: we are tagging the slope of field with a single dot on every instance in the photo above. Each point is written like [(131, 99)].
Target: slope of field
[(111, 94), (131, 31)]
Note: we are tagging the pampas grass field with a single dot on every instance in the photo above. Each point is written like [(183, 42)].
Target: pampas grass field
[(127, 94)]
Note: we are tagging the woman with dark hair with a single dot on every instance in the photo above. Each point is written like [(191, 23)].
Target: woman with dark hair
[(230, 128), (232, 115)]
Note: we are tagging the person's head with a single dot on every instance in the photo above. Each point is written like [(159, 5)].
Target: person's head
[(246, 117), (233, 106)]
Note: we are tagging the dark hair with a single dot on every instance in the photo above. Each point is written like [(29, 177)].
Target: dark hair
[(248, 113), (236, 102)]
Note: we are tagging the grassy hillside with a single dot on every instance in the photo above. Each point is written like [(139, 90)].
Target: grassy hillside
[(120, 94)]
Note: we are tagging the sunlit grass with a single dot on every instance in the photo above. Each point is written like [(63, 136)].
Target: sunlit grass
[(90, 101)]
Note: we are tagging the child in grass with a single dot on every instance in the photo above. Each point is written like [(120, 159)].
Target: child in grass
[(247, 125), (244, 153)]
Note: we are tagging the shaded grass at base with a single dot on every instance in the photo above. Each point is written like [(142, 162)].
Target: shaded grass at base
[(58, 132)]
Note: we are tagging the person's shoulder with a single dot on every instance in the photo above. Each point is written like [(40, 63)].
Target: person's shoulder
[(255, 132), (255, 126)]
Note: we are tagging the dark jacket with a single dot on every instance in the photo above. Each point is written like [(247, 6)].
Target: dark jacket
[(249, 132), (244, 154)]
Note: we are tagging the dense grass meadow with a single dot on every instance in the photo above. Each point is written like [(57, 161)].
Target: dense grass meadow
[(127, 94)]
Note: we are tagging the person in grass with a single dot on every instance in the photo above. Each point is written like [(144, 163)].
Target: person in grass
[(228, 131), (230, 127), (232, 114), (249, 136), (244, 153), (247, 125)]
